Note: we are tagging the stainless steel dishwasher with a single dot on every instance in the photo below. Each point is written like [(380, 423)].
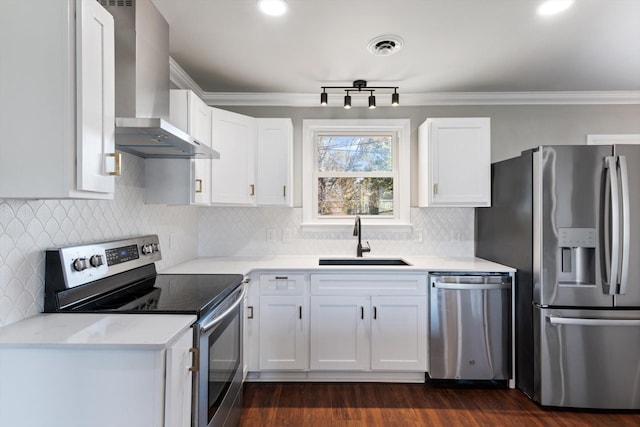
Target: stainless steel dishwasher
[(470, 326)]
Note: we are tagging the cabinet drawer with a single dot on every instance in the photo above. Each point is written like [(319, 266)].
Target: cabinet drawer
[(282, 284), (368, 284)]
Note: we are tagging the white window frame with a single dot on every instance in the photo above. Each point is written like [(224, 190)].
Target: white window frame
[(402, 163)]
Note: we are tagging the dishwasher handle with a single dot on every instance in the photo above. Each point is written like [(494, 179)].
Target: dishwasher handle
[(470, 286)]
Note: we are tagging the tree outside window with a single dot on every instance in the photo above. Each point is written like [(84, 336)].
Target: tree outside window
[(355, 175)]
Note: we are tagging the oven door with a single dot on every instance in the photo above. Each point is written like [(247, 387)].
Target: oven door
[(217, 386)]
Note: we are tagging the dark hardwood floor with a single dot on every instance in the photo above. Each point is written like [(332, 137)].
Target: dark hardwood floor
[(388, 405)]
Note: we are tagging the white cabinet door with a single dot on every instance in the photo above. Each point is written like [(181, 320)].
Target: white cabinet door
[(191, 114), (179, 379), (233, 177), (201, 181), (339, 333), (251, 349), (399, 333), (454, 162), (283, 341), (274, 162), (95, 74), (57, 100)]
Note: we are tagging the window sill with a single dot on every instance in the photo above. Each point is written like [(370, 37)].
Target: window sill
[(347, 227)]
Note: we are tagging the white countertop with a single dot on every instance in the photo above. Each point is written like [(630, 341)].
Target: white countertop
[(246, 265), (130, 331)]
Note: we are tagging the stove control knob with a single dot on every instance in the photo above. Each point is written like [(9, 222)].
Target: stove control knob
[(96, 261), (80, 264), (156, 247), (147, 249)]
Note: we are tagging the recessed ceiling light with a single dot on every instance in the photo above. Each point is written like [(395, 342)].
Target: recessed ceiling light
[(273, 7), (551, 7)]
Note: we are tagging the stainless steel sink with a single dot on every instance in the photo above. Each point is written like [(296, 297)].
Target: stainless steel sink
[(363, 261)]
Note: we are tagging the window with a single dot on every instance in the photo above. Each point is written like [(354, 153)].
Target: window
[(356, 168)]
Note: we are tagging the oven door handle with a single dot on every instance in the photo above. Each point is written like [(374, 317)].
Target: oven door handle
[(211, 323)]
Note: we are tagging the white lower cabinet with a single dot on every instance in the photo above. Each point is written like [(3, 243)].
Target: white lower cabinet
[(178, 382), (283, 318), (368, 332), (339, 333), (399, 333), (337, 326), (283, 333), (84, 385)]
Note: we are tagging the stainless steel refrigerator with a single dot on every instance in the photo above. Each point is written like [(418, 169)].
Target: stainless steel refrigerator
[(568, 218)]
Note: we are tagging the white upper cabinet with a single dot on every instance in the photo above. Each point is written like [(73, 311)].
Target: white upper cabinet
[(191, 114), (274, 162), (233, 175), (454, 164), (57, 105), (182, 181)]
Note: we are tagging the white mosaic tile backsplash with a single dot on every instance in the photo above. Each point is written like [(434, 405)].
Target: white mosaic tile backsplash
[(27, 227), (264, 231)]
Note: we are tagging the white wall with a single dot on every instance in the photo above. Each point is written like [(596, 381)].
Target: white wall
[(28, 227)]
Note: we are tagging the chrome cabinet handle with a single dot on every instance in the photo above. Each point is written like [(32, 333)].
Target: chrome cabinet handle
[(198, 186), (299, 312), (253, 190), (361, 313), (284, 191), (375, 312), (250, 316)]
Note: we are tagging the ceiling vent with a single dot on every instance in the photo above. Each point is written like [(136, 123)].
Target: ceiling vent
[(385, 45)]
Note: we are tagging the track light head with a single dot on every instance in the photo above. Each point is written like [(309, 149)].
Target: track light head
[(395, 99), (372, 101), (347, 101), (324, 98)]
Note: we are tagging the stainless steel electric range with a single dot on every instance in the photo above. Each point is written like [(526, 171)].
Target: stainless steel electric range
[(119, 276)]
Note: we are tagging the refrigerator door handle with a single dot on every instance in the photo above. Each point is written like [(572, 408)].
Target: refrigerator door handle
[(611, 163), (554, 320), (626, 224)]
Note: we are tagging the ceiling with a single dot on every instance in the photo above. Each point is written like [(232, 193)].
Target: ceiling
[(449, 45)]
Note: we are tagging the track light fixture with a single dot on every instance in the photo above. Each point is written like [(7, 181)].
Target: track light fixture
[(358, 87)]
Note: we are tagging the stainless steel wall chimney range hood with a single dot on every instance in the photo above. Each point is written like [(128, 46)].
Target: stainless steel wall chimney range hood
[(142, 85)]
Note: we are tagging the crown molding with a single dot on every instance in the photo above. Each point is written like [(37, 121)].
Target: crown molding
[(182, 80)]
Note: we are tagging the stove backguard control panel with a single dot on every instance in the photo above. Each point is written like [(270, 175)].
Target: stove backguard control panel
[(82, 264)]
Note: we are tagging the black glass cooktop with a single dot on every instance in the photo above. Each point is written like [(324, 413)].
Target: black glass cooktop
[(166, 293)]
